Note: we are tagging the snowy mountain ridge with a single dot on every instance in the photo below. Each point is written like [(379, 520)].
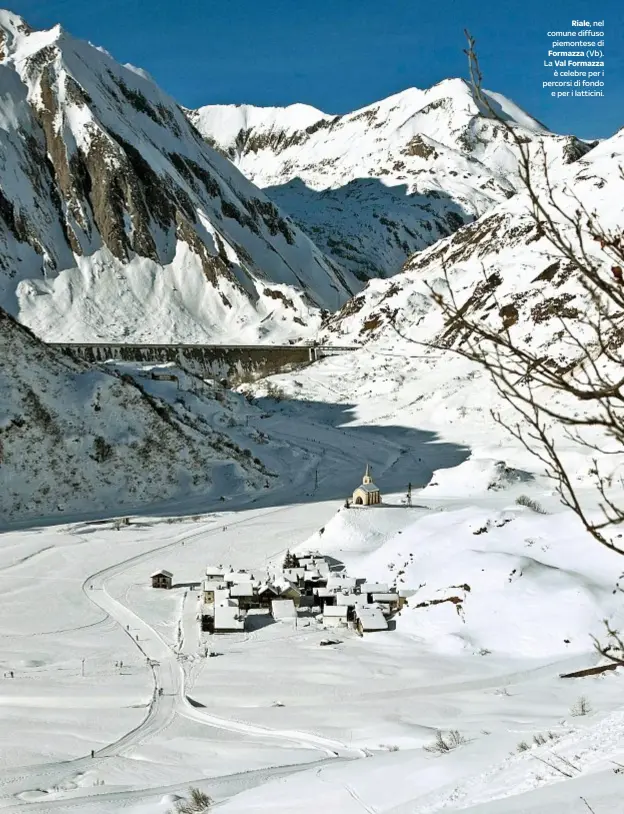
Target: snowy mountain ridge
[(119, 220), (375, 185), (121, 223)]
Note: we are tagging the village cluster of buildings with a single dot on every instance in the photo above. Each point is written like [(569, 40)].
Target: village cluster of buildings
[(307, 584)]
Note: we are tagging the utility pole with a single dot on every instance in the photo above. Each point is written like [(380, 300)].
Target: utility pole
[(409, 494)]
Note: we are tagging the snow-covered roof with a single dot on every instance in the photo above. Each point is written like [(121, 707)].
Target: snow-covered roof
[(215, 573), (244, 589), (335, 610), (213, 585), (324, 592), (348, 600), (323, 568), (162, 573), (229, 617), (371, 618), (385, 597), (283, 609), (367, 487), (294, 573), (374, 588), (266, 586), (240, 576), (282, 583), (341, 583)]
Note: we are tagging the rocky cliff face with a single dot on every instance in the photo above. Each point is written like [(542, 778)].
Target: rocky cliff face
[(117, 220), (373, 186)]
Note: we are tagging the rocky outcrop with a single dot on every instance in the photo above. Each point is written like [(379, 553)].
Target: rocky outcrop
[(502, 269)]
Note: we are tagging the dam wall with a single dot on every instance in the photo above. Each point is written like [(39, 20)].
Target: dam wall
[(234, 363)]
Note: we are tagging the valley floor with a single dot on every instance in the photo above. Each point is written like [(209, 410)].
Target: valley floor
[(276, 722)]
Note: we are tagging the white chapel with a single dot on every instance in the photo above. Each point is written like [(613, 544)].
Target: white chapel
[(367, 494)]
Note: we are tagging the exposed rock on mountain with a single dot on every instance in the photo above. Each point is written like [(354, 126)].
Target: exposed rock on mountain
[(505, 254), (373, 186), (74, 438), (118, 221)]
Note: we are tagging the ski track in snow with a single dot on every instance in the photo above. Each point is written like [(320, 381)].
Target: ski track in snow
[(168, 674)]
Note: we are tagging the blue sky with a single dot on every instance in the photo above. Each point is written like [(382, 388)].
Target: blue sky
[(339, 55)]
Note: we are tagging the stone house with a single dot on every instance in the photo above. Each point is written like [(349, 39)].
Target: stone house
[(335, 616), (162, 579)]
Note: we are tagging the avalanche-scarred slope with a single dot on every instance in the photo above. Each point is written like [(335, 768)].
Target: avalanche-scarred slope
[(119, 221), (375, 185)]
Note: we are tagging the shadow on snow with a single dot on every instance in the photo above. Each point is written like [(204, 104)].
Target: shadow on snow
[(398, 455)]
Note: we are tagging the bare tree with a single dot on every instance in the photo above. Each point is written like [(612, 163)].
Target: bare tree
[(579, 392), (581, 707)]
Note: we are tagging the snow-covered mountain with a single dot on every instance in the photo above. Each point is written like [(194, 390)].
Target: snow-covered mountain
[(118, 221), (373, 186), (503, 252), (75, 438)]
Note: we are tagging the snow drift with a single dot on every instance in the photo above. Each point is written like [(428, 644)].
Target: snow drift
[(509, 582)]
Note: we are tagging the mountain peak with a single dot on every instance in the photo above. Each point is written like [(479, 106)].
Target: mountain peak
[(385, 180), (232, 119), (9, 21), (448, 87)]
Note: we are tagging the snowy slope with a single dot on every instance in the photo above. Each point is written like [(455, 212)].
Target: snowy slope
[(277, 703), (400, 381), (488, 583), (119, 221), (375, 185), (505, 600), (76, 439), (473, 569)]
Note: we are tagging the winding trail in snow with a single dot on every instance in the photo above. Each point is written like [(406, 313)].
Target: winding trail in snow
[(167, 673)]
